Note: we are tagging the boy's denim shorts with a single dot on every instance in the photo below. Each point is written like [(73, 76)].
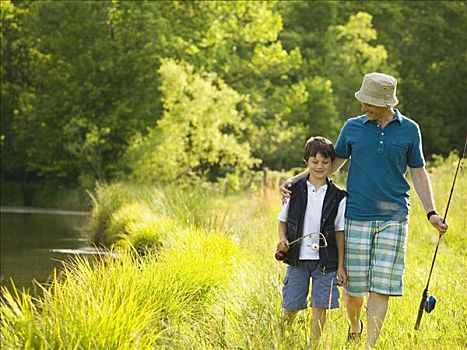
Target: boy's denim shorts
[(324, 292)]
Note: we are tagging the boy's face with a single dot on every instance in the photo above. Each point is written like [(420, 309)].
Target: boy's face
[(319, 166)]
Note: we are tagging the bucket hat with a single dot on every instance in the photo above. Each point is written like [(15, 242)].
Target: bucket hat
[(378, 89)]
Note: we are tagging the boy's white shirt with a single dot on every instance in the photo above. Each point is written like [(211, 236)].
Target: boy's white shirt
[(312, 220)]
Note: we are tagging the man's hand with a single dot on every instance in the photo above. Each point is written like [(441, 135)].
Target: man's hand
[(285, 191), (285, 187), (341, 276), (438, 224)]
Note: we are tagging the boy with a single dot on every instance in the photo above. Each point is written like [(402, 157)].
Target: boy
[(315, 214)]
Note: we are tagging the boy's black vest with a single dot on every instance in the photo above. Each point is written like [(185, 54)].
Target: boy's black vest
[(296, 214)]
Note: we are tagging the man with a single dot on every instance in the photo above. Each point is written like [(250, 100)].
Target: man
[(381, 145)]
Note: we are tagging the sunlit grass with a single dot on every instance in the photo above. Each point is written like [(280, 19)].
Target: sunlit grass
[(123, 301), (213, 283)]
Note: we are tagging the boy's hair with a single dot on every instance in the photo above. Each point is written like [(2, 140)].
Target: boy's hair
[(318, 144)]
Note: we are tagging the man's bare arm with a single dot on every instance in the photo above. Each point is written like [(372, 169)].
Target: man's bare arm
[(336, 164), (422, 184)]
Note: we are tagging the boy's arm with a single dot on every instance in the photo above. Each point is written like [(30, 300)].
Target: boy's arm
[(283, 242), (341, 274)]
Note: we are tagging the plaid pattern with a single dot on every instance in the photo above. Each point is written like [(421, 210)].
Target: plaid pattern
[(375, 256)]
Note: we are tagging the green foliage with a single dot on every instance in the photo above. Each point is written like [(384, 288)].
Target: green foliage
[(142, 218), (86, 83), (433, 78), (196, 137), (83, 109), (350, 55), (238, 41), (305, 27), (16, 91)]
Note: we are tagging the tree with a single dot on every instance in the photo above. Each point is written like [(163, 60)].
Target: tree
[(94, 84), (424, 45), (81, 79), (350, 55), (17, 92), (241, 45), (433, 69), (196, 138)]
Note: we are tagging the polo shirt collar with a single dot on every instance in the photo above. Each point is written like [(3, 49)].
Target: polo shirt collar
[(396, 116)]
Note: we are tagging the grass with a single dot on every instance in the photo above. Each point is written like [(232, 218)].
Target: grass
[(213, 283)]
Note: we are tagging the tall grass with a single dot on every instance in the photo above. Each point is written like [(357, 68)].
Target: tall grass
[(213, 283), (123, 301), (144, 216)]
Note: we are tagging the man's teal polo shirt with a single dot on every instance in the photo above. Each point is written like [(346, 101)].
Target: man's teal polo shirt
[(376, 184)]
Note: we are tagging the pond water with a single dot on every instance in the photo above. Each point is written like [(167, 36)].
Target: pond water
[(35, 241)]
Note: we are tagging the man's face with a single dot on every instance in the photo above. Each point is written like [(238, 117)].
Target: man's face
[(319, 166), (375, 113)]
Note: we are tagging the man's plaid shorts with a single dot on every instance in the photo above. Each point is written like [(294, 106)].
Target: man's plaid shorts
[(375, 256)]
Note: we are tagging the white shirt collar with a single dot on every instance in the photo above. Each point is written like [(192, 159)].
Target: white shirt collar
[(312, 187)]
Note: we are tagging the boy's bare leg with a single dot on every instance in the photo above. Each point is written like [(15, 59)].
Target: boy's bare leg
[(286, 329), (317, 323), (353, 306), (377, 308), (289, 316)]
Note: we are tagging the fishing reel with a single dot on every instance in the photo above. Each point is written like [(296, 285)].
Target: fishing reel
[(280, 255), (430, 304)]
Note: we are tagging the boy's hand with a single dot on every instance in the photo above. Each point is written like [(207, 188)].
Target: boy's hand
[(341, 276), (283, 245), (284, 189)]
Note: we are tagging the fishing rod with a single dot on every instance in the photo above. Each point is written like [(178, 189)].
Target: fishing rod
[(279, 255), (428, 302)]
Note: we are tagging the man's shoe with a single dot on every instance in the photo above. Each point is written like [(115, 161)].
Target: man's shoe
[(355, 336)]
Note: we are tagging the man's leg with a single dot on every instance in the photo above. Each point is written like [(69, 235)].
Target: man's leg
[(386, 273), (358, 247), (353, 306), (377, 308)]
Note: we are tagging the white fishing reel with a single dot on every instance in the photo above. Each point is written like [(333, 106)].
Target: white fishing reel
[(279, 255), (315, 246)]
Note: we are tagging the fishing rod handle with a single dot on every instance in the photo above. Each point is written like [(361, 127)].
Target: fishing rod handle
[(421, 309), (419, 319)]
